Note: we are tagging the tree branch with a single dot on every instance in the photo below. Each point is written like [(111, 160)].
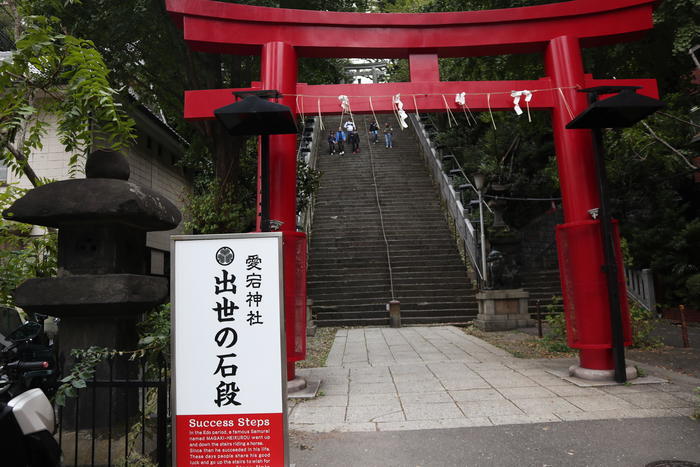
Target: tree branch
[(668, 145), (24, 163), (679, 119)]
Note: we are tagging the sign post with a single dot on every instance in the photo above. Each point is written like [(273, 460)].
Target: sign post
[(229, 381)]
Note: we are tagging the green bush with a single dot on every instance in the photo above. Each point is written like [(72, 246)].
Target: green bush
[(643, 323), (22, 256), (555, 338), (217, 209), (692, 285)]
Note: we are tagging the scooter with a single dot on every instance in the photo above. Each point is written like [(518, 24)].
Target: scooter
[(27, 423)]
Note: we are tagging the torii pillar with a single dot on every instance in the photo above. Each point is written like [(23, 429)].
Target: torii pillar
[(278, 70)]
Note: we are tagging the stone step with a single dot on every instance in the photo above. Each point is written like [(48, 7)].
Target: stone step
[(348, 270), (378, 252), (423, 240), (458, 313), (378, 304), (342, 284), (379, 321), (416, 263), (359, 271), (411, 294)]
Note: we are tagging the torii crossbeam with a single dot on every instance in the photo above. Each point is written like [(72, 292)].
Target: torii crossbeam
[(557, 30)]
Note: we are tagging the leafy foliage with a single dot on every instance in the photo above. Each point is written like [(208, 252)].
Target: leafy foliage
[(145, 50), (22, 256), (56, 75), (649, 166), (308, 181), (218, 209), (643, 323), (154, 346), (86, 361)]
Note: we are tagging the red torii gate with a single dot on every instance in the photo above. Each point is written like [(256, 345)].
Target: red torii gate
[(557, 30)]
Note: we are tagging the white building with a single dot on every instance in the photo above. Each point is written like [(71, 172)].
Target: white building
[(152, 160)]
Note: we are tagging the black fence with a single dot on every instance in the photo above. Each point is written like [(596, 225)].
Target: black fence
[(121, 417)]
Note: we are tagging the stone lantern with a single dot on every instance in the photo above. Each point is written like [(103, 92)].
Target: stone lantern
[(102, 220)]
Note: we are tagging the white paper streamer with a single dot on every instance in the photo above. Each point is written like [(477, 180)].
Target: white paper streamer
[(320, 118), (450, 116), (344, 102), (461, 99), (488, 102), (516, 95), (401, 113)]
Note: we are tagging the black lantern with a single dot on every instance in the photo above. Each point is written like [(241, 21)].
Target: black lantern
[(622, 110), (255, 115), (619, 111)]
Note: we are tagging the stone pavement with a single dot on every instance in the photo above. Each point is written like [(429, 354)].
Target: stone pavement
[(413, 378)]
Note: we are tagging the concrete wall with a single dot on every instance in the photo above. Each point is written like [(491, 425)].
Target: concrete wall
[(51, 162)]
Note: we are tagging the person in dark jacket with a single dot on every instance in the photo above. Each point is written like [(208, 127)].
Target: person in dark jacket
[(374, 132), (340, 140), (355, 141), (331, 143)]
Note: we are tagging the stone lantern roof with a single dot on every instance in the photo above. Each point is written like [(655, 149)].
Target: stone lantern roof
[(104, 196)]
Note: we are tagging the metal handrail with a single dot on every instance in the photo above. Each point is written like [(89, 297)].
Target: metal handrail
[(453, 204), (306, 217), (381, 217)]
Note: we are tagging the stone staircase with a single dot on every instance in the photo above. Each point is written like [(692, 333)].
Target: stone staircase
[(348, 276), (540, 267), (542, 285)]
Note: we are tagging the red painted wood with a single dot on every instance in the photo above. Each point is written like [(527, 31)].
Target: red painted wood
[(200, 105), (424, 67), (242, 29)]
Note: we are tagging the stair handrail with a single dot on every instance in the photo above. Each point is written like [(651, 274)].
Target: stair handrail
[(463, 226), (640, 287), (306, 217), (381, 218)]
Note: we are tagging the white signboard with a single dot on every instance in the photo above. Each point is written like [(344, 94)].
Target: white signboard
[(229, 353)]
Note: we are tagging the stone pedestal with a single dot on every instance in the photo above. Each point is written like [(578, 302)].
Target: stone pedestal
[(501, 310)]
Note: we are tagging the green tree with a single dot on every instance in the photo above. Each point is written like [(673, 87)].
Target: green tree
[(145, 50), (650, 169), (55, 75)]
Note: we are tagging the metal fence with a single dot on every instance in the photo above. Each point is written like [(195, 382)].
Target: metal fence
[(640, 287), (308, 152), (463, 227), (121, 417)]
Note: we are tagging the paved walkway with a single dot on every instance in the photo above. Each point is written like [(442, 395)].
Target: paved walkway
[(383, 379)]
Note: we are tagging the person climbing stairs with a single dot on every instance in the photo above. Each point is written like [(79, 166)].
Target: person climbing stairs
[(379, 233)]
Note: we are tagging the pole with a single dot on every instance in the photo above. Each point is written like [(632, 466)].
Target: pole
[(684, 327), (610, 264), (265, 183), (484, 274)]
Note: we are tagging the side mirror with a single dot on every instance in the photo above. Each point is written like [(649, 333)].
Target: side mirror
[(9, 320), (26, 332)]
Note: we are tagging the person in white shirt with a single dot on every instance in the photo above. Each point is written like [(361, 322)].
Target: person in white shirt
[(349, 126)]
